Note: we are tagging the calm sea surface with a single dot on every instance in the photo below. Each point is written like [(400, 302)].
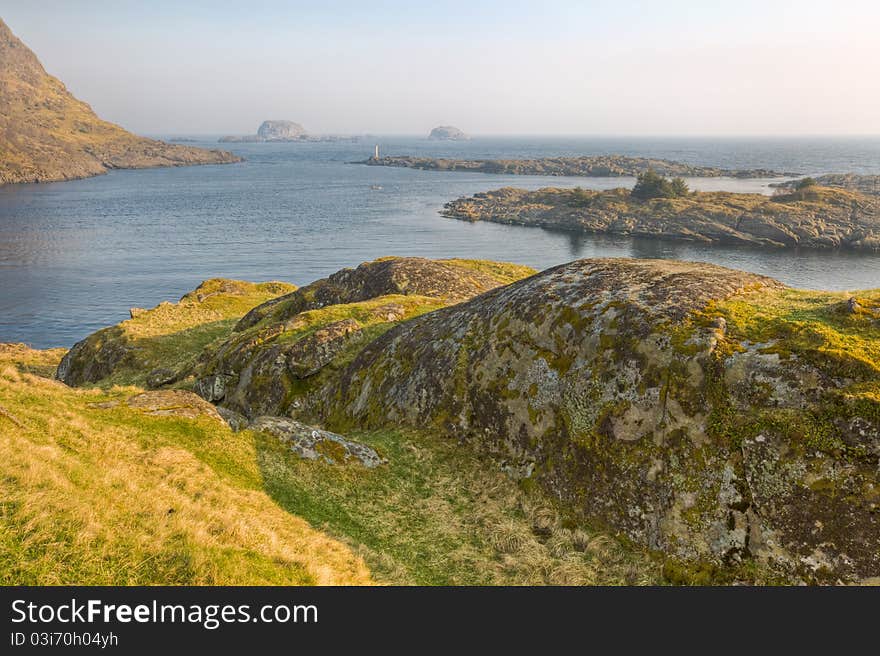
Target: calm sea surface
[(74, 256)]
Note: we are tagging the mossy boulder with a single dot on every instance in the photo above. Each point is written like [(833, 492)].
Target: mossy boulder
[(714, 415), (451, 280), (155, 347), (289, 346)]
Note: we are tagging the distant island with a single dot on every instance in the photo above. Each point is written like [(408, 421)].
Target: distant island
[(447, 133), (596, 166), (284, 131), (812, 216), (46, 134)]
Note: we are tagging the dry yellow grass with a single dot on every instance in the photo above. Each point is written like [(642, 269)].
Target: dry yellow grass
[(110, 496)]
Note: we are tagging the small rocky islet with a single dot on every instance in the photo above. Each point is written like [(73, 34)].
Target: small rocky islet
[(283, 131), (447, 133), (722, 420), (866, 184)]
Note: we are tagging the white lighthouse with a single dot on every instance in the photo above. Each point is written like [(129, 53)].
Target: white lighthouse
[(376, 153)]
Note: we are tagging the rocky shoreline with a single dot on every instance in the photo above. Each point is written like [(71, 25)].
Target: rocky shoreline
[(601, 166), (817, 218)]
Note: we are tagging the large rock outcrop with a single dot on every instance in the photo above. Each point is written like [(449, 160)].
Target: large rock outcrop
[(292, 343), (678, 403), (46, 134), (715, 416), (409, 276)]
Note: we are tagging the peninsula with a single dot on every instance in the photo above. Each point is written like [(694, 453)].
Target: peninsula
[(595, 166), (812, 217), (46, 134)]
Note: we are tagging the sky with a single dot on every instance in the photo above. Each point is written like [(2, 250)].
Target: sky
[(504, 67)]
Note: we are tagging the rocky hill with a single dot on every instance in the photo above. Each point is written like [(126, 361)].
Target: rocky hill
[(817, 217), (47, 134), (601, 166), (715, 417)]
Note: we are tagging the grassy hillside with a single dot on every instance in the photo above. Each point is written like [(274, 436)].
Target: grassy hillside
[(96, 495), (96, 490)]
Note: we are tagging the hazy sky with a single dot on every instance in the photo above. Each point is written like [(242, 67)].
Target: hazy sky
[(504, 67)]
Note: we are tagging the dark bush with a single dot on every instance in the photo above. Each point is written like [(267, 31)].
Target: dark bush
[(651, 184)]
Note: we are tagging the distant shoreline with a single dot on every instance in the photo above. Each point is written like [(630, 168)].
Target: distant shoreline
[(599, 166)]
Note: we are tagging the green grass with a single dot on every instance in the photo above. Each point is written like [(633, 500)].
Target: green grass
[(815, 326), (812, 327), (439, 514)]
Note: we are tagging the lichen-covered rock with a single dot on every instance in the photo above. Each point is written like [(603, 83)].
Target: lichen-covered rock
[(286, 347), (237, 421), (316, 444), (95, 358), (212, 388), (645, 395), (310, 354), (409, 276), (173, 403), (161, 376)]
